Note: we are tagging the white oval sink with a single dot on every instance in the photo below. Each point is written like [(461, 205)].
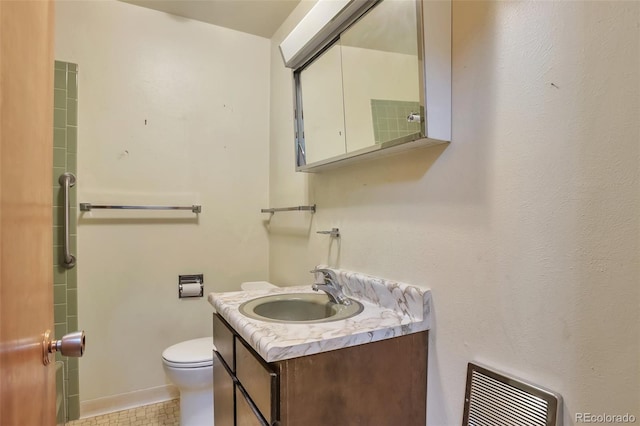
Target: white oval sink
[(298, 308)]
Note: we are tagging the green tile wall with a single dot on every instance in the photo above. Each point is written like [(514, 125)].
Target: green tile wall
[(65, 143), (60, 408), (390, 119)]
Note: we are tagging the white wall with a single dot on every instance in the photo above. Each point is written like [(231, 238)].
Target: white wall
[(170, 111), (526, 227)]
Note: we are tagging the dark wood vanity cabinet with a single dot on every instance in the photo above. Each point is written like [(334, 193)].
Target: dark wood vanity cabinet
[(382, 383)]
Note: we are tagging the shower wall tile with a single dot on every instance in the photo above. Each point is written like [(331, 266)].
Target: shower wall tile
[(73, 382), (57, 257), (72, 194), (73, 220), (72, 112), (72, 302), (72, 363), (59, 275), (59, 98), (74, 249), (72, 281), (58, 236), (59, 159), (57, 171), (60, 79), (74, 407), (60, 312), (72, 139), (390, 119), (72, 323), (60, 330), (72, 85), (57, 195), (59, 294), (59, 118), (59, 138), (71, 161), (65, 142), (60, 416)]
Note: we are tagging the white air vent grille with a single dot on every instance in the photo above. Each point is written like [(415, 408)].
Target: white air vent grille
[(493, 399)]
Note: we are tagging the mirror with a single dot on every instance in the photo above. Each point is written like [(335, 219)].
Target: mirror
[(323, 111), (380, 75), (363, 90)]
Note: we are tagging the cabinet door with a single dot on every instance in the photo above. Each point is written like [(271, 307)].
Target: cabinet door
[(223, 341), (376, 384), (223, 393), (246, 412), (259, 381)]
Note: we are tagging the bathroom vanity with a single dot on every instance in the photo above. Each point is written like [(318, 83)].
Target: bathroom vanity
[(364, 370), (381, 383)]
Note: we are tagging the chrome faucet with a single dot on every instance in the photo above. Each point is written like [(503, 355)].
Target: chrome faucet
[(330, 286)]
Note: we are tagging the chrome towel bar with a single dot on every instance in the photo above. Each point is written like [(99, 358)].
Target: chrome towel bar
[(312, 209), (66, 181), (87, 207)]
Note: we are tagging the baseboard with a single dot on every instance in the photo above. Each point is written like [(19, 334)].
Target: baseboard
[(125, 401)]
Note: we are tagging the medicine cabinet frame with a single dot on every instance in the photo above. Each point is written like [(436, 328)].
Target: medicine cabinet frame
[(305, 44)]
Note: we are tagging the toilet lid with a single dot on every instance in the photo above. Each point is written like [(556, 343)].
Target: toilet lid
[(191, 353)]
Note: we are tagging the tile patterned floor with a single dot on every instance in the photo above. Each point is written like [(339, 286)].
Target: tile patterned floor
[(161, 414)]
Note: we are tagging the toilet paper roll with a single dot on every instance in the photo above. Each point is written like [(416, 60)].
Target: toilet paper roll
[(191, 290)]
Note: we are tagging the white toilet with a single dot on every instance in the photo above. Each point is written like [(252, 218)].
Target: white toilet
[(189, 366)]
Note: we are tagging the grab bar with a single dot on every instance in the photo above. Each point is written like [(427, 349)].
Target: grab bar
[(312, 209), (67, 180), (87, 207)]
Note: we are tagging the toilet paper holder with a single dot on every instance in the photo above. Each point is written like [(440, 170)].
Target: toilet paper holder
[(190, 286)]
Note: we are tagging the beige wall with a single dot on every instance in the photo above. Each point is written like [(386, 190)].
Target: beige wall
[(526, 227), (171, 111)]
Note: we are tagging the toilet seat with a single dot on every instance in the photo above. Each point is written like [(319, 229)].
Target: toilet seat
[(190, 354)]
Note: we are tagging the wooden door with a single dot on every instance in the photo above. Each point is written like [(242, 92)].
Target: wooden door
[(27, 386)]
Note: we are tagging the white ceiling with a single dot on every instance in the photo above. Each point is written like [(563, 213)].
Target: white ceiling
[(258, 17)]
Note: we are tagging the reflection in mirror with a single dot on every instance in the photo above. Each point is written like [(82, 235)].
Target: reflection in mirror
[(324, 134), (380, 75)]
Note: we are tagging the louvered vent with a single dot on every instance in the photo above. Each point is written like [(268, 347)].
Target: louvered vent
[(493, 399)]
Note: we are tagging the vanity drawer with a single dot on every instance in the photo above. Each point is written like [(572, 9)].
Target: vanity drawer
[(258, 380), (246, 412), (223, 341), (223, 393)]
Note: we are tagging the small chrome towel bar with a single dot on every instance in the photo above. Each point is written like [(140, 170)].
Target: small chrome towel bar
[(66, 181), (312, 209), (87, 207)]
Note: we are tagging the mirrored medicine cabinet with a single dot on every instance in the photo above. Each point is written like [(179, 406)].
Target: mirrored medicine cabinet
[(370, 78)]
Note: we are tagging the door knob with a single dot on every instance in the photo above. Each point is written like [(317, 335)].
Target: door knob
[(71, 344)]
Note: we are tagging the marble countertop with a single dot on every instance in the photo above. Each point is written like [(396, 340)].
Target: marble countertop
[(391, 309)]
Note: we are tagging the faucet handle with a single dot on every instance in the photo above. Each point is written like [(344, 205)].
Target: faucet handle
[(322, 271), (319, 271), (329, 276)]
